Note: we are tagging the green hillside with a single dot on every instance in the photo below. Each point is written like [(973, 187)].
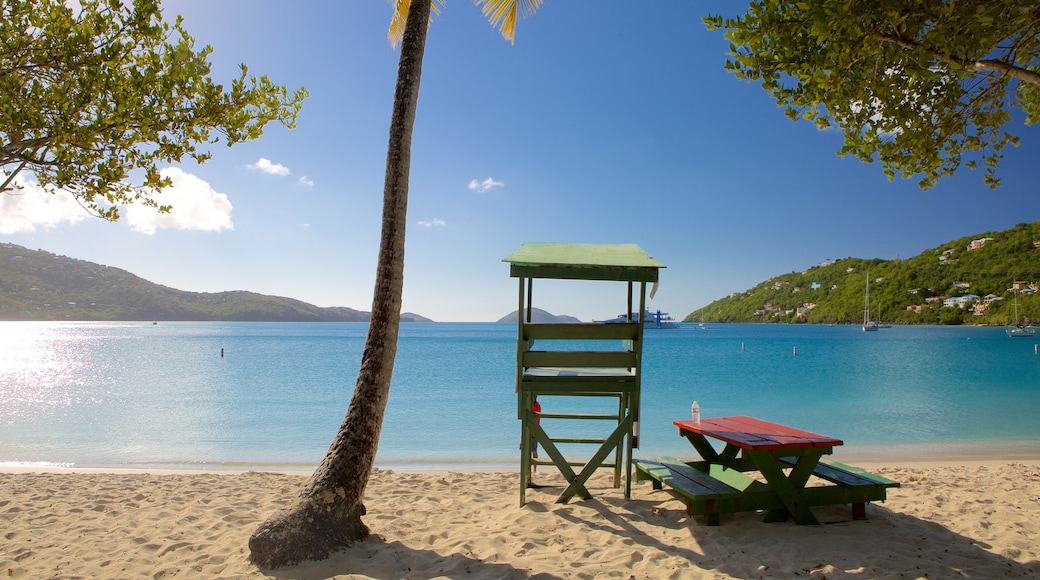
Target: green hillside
[(38, 285), (834, 292)]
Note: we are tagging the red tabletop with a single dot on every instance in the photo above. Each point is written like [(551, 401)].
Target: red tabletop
[(756, 434)]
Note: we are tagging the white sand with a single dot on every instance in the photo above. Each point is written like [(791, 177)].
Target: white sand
[(980, 521)]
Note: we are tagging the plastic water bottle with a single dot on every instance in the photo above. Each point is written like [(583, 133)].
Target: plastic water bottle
[(696, 411)]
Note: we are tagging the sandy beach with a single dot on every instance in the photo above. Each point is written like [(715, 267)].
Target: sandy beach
[(980, 521)]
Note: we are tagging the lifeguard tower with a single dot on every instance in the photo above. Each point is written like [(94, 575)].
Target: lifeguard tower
[(582, 361)]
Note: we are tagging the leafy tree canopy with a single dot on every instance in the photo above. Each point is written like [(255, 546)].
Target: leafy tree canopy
[(923, 86), (93, 93)]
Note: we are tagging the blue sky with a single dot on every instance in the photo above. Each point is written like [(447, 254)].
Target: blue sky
[(613, 125)]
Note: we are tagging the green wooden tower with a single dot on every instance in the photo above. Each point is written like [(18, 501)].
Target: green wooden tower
[(571, 363)]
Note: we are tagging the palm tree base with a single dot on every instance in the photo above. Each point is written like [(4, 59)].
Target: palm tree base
[(308, 530)]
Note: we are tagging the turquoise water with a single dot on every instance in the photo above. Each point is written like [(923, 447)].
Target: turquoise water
[(143, 395)]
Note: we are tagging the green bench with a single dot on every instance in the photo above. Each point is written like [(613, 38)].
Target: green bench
[(861, 485), (703, 493), (711, 490)]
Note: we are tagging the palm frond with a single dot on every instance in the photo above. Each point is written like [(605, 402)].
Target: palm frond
[(502, 13), (397, 21)]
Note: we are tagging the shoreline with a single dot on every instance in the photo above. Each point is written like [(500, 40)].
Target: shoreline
[(867, 464), (921, 456)]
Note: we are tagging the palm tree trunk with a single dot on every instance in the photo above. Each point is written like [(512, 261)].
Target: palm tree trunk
[(326, 516)]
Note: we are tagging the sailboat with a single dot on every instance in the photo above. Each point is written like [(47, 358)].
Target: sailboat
[(1019, 330), (868, 324)]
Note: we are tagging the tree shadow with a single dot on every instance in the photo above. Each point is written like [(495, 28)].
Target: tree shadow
[(396, 560), (887, 544), (651, 534)]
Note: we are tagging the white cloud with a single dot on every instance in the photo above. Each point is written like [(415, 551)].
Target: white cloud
[(485, 186), (23, 209), (265, 166), (196, 206), (435, 222), (305, 181)]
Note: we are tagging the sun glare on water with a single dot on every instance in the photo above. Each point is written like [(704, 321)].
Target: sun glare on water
[(40, 366)]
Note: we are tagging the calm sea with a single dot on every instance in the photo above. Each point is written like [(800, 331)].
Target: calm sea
[(271, 396)]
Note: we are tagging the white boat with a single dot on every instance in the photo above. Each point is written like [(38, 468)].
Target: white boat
[(868, 324), (1019, 330), (659, 320), (650, 320)]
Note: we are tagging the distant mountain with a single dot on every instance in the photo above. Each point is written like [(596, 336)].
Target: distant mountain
[(540, 316), (38, 285), (973, 276)]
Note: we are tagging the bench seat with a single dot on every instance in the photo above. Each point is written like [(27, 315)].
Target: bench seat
[(861, 485), (703, 494), (719, 490)]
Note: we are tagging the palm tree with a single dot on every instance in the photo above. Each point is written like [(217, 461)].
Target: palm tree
[(326, 516)]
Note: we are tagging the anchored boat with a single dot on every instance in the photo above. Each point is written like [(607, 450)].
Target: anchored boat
[(650, 319)]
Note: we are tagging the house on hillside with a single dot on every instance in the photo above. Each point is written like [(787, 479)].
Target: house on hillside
[(960, 301), (1023, 286), (977, 244)]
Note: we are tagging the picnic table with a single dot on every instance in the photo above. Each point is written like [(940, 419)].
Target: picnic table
[(785, 457)]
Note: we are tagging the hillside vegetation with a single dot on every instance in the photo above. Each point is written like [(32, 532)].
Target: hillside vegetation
[(910, 291), (38, 285)]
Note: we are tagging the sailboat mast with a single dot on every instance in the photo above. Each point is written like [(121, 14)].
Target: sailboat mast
[(866, 301), (868, 326)]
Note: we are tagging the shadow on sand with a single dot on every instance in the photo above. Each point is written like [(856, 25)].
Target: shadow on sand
[(888, 544), (409, 563), (653, 529)]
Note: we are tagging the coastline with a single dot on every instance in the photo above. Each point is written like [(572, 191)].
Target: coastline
[(869, 462), (971, 520)]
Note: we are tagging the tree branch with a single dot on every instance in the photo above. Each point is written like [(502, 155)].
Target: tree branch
[(1022, 74), (10, 177), (23, 150)]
